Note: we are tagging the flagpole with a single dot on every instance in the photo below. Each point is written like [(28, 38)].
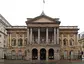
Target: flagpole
[(43, 5)]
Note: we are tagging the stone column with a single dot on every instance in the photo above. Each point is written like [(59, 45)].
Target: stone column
[(30, 35), (54, 35), (57, 35), (47, 35), (38, 35)]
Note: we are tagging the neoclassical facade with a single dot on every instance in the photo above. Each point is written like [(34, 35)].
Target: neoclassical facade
[(42, 39)]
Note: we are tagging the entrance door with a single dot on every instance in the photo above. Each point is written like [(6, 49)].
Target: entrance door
[(20, 55), (42, 54), (65, 54), (34, 54), (51, 54)]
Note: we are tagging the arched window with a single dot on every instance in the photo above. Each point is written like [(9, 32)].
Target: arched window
[(13, 42), (65, 42), (59, 41), (25, 42), (20, 42), (71, 42)]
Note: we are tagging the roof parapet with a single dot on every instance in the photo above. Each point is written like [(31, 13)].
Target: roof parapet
[(68, 27), (17, 27)]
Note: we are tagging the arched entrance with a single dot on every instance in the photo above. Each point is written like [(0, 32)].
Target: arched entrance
[(51, 54), (43, 54), (34, 54), (20, 57), (71, 54)]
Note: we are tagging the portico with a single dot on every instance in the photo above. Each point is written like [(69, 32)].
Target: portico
[(49, 33), (43, 38)]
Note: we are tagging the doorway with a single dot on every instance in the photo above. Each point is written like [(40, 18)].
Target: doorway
[(51, 54), (42, 54), (34, 54)]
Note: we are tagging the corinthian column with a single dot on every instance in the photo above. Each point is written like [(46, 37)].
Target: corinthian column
[(57, 35), (30, 35), (38, 35), (47, 35), (27, 35), (54, 35)]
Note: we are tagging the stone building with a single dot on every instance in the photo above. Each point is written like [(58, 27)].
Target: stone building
[(42, 39), (81, 42), (3, 34)]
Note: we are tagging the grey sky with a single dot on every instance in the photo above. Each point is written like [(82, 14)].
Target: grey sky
[(70, 12)]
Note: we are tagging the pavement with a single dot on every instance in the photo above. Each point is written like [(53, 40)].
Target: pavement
[(41, 62), (1, 60)]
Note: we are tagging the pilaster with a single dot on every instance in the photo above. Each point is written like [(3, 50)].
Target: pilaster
[(47, 55), (23, 40), (17, 39), (10, 40), (38, 54)]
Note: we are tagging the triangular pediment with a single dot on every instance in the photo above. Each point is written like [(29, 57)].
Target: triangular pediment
[(43, 19)]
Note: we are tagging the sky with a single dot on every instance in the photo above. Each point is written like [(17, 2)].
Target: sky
[(70, 12)]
